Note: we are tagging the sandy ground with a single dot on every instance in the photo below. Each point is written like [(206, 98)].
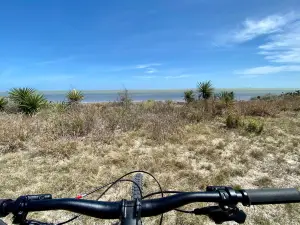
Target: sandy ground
[(35, 159)]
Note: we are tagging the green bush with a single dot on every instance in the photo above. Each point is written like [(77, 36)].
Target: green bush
[(189, 96), (254, 126), (3, 103), (226, 97), (74, 96), (28, 100), (233, 121)]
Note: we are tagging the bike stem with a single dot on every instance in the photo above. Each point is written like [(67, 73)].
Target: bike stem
[(131, 212)]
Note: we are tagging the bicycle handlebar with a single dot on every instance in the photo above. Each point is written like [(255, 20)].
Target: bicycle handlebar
[(273, 196), (153, 207)]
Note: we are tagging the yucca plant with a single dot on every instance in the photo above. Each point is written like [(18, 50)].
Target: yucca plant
[(205, 90), (3, 103), (189, 96), (18, 95), (226, 97), (74, 96), (33, 103), (28, 100)]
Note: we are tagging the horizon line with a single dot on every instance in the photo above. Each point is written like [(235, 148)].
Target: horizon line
[(167, 89)]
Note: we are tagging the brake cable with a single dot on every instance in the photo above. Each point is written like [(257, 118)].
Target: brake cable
[(111, 184)]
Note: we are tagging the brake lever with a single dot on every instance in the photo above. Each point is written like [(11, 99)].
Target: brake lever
[(219, 215)]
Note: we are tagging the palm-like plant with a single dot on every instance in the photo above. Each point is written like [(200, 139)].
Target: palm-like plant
[(33, 103), (3, 103), (205, 90), (18, 95), (28, 100), (189, 96), (74, 96)]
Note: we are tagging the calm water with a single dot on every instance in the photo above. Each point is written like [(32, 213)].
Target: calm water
[(106, 96)]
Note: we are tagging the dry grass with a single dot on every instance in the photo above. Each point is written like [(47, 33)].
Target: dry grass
[(66, 152)]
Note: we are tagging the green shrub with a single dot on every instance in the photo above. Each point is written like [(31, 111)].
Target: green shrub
[(233, 121), (74, 96), (189, 96), (254, 126), (3, 103), (28, 100), (226, 97)]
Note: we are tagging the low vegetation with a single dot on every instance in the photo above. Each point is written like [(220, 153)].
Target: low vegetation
[(226, 97), (3, 103), (28, 100), (254, 126), (74, 96), (205, 90), (68, 150), (233, 121), (189, 96)]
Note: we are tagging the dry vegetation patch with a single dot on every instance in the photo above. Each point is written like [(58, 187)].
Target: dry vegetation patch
[(69, 151)]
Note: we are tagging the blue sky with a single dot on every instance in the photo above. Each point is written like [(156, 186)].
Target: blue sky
[(155, 44)]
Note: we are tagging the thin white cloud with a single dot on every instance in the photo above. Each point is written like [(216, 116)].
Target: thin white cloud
[(265, 26), (282, 45), (151, 70), (144, 66), (263, 70)]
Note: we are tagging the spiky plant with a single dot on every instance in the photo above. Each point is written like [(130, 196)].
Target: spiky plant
[(33, 103), (189, 96), (74, 96), (205, 90), (18, 95), (28, 100)]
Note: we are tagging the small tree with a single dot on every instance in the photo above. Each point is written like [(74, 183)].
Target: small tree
[(74, 96), (124, 98), (205, 90), (189, 96)]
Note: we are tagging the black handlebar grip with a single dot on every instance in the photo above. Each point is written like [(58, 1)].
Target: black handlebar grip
[(3, 202), (273, 196)]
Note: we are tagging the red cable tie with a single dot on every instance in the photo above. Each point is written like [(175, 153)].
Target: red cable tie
[(78, 196)]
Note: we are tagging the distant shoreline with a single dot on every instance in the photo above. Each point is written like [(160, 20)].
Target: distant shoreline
[(246, 90)]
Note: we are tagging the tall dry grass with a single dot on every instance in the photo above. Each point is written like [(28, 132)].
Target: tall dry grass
[(69, 150)]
